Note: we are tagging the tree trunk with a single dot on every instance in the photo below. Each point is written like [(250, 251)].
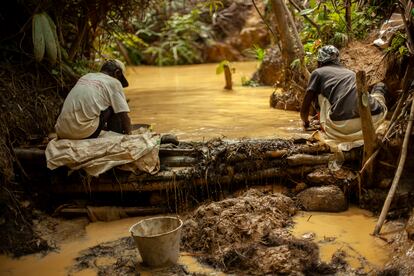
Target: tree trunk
[(291, 45), (348, 19)]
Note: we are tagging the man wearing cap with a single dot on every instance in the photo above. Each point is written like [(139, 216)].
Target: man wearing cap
[(97, 102), (334, 87)]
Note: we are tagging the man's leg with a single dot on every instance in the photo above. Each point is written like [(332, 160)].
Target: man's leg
[(114, 123)]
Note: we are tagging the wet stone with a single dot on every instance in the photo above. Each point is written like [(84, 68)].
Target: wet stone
[(324, 176), (325, 199)]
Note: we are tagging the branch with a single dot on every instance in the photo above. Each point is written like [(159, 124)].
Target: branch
[(398, 173), (275, 36), (410, 41), (318, 28)]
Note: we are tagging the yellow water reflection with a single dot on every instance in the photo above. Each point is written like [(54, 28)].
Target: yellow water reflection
[(190, 101), (350, 231)]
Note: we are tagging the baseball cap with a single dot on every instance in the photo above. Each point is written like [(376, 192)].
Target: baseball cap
[(112, 64)]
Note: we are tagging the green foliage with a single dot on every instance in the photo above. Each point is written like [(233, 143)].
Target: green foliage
[(130, 40), (213, 5), (177, 40), (220, 66), (398, 44), (260, 53), (249, 82), (256, 52), (330, 16), (83, 66), (295, 64)]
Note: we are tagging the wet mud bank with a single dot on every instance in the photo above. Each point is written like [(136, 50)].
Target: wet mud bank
[(251, 233), (236, 230)]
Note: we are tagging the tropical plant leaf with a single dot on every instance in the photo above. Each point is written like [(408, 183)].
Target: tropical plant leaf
[(51, 39), (37, 37), (306, 11), (220, 66)]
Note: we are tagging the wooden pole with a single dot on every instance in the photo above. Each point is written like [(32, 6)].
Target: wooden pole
[(406, 82), (398, 173), (227, 75), (368, 130)]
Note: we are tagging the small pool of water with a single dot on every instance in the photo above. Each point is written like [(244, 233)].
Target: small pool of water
[(349, 231), (59, 262)]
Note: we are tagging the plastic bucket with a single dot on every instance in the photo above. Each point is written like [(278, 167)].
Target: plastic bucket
[(158, 240)]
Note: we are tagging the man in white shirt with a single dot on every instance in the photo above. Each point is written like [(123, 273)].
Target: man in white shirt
[(97, 102)]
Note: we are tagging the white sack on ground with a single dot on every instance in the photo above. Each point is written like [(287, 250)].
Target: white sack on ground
[(96, 156)]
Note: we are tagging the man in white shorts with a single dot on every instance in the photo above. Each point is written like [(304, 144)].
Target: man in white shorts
[(97, 102), (334, 88)]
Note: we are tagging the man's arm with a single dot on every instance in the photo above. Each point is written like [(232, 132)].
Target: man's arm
[(125, 122), (306, 104)]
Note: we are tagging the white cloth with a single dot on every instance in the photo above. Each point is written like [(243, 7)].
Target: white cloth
[(347, 134), (110, 149), (92, 94)]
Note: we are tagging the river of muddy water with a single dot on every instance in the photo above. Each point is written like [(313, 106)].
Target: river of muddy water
[(190, 102)]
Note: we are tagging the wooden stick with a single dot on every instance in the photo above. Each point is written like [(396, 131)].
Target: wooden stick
[(398, 173), (227, 75), (368, 130), (408, 76)]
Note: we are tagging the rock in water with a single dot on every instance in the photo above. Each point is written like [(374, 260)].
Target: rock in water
[(326, 199)]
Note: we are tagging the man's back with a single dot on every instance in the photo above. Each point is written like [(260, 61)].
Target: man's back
[(337, 84), (92, 94)]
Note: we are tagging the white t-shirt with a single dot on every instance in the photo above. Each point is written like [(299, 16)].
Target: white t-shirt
[(92, 94)]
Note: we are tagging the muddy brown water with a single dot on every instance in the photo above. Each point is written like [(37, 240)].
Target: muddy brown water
[(190, 101), (349, 231)]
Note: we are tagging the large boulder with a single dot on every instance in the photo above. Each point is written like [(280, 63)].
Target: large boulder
[(325, 199), (218, 51), (271, 68), (249, 36)]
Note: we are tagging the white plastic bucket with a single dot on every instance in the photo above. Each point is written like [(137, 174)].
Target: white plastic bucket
[(158, 240)]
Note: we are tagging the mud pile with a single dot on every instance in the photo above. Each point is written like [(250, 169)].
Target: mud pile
[(250, 234)]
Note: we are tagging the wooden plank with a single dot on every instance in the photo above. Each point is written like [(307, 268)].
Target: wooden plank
[(368, 130)]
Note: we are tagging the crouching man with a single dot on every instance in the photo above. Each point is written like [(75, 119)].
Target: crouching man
[(334, 88), (97, 102)]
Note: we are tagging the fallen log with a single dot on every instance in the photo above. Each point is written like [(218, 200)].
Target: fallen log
[(130, 211), (178, 161), (197, 169), (177, 182), (307, 159)]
